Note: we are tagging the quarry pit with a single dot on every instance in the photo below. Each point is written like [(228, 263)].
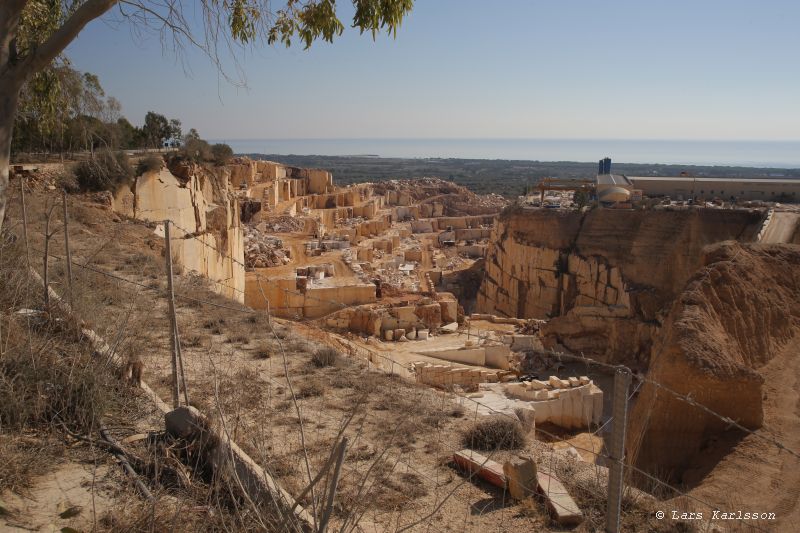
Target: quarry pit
[(470, 294)]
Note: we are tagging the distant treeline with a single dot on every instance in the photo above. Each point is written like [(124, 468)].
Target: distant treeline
[(509, 178), (65, 111)]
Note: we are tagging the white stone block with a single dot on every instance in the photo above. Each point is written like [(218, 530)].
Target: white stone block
[(597, 400), (537, 384)]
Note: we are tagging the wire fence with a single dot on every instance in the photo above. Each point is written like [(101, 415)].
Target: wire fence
[(258, 377)]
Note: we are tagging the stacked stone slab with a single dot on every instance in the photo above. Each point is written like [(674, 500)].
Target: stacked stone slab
[(445, 376), (569, 403)]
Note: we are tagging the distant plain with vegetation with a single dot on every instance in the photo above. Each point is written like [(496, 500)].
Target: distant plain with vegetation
[(506, 177)]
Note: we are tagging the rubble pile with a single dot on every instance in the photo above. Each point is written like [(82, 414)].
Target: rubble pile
[(350, 222), (281, 224), (457, 199), (261, 251)]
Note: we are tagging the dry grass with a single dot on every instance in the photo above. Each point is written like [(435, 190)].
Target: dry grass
[(25, 457)]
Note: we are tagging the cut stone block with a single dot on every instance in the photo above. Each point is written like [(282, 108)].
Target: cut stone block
[(520, 475), (527, 418), (585, 380), (560, 504), (555, 382), (537, 384), (574, 382), (480, 465)]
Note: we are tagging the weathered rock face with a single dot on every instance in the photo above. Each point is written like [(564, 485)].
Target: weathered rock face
[(606, 277), (199, 205), (735, 314)]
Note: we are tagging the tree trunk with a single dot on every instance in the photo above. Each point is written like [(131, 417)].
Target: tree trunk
[(9, 97)]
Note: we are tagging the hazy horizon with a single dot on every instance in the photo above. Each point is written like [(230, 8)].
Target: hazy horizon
[(768, 154)]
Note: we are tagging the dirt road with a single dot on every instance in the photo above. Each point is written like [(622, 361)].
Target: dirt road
[(781, 228)]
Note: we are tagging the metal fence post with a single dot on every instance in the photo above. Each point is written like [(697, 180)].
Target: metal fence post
[(619, 413)]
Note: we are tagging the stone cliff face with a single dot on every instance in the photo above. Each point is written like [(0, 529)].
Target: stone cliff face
[(734, 316), (199, 204), (606, 278)]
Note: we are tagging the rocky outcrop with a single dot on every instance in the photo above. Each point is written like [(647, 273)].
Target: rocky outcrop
[(734, 316), (606, 278), (206, 232)]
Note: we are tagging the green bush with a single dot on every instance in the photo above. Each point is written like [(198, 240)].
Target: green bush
[(107, 171), (222, 153), (196, 150)]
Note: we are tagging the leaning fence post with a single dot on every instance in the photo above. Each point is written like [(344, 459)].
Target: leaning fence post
[(619, 413), (24, 218), (173, 330), (323, 525), (68, 253)]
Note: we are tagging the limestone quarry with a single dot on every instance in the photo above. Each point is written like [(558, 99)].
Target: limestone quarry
[(484, 306), (473, 294)]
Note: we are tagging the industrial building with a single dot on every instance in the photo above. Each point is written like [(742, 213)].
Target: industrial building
[(612, 186), (687, 187)]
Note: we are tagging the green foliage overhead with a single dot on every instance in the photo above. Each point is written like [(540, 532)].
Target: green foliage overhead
[(317, 19)]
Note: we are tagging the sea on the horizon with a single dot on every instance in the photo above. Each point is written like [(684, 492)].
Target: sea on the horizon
[(776, 154)]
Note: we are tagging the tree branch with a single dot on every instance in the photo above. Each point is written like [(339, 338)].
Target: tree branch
[(56, 43)]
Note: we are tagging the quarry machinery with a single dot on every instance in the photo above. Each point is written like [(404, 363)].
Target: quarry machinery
[(556, 184)]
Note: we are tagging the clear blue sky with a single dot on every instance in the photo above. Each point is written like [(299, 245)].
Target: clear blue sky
[(699, 69)]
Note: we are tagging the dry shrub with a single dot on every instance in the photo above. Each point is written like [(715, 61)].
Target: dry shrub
[(325, 357), (215, 325), (151, 163), (310, 389), (238, 337), (262, 351), (494, 433), (107, 171)]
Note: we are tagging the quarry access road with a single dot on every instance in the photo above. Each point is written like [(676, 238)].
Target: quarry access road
[(781, 228)]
